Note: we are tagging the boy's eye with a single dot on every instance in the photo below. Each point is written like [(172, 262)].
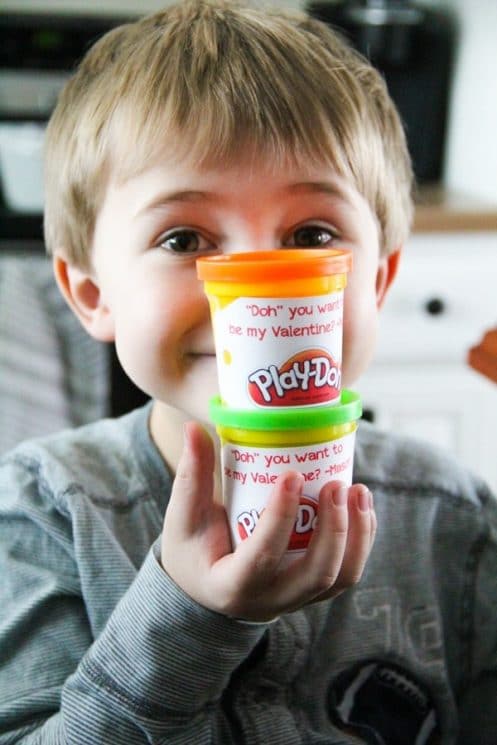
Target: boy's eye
[(184, 242), (311, 236)]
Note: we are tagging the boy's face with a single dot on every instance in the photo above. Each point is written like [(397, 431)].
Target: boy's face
[(144, 292)]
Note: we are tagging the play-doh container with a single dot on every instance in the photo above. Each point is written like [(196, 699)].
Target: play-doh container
[(256, 446), (277, 319)]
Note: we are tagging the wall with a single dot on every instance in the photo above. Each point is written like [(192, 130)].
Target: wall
[(471, 155)]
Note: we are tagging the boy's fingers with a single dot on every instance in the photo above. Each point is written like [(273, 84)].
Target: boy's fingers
[(362, 528), (259, 556), (191, 495), (324, 555), (374, 525), (360, 539)]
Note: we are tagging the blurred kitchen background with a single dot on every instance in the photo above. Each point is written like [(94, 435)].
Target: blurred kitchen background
[(439, 61)]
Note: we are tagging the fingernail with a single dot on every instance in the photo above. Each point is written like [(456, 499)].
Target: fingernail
[(363, 499), (293, 482), (339, 496)]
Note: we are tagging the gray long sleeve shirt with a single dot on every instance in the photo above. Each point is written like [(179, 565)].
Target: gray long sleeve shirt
[(98, 645)]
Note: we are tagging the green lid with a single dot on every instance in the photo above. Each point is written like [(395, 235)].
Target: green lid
[(348, 410)]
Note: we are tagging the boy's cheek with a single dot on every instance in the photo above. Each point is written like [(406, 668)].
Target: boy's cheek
[(136, 361), (359, 342), (143, 345)]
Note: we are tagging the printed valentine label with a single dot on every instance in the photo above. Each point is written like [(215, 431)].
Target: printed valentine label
[(249, 474), (275, 352)]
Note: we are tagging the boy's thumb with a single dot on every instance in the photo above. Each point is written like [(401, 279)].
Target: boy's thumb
[(197, 456), (194, 483)]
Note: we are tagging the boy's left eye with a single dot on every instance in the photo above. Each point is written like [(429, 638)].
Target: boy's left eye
[(311, 236), (184, 241)]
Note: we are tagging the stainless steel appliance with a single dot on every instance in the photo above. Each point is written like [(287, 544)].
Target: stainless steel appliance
[(413, 46), (37, 55)]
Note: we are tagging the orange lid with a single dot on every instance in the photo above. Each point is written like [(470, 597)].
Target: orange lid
[(279, 264)]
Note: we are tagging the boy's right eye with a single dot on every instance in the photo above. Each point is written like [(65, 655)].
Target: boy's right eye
[(184, 241)]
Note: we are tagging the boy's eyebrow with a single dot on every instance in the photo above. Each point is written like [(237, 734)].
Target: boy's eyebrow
[(325, 187), (193, 195), (186, 195)]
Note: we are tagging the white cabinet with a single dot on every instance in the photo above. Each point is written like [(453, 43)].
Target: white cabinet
[(444, 298)]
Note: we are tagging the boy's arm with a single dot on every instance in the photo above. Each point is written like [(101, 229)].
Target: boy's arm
[(160, 667), (150, 675), (157, 671)]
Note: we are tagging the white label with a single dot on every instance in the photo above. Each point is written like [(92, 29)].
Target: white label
[(249, 474), (280, 351)]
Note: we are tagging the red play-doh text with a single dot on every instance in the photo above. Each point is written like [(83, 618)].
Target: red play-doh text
[(309, 377)]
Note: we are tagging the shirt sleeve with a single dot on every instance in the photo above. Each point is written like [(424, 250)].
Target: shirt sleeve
[(157, 671), (478, 706)]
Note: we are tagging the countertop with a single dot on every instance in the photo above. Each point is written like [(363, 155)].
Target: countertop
[(440, 210)]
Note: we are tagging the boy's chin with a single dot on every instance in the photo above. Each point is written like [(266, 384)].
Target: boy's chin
[(199, 409), (181, 409), (201, 386)]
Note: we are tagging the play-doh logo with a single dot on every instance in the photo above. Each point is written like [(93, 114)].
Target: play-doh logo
[(309, 377), (302, 530)]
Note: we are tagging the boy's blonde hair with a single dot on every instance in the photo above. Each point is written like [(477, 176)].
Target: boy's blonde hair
[(214, 81)]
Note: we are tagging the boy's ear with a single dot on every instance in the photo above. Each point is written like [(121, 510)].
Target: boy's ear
[(387, 270), (83, 296)]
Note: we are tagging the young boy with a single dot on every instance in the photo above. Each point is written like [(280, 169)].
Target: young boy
[(203, 129)]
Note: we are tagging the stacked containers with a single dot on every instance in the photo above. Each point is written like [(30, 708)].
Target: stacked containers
[(277, 319)]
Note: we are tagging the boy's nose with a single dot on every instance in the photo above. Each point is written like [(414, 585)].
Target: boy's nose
[(251, 243)]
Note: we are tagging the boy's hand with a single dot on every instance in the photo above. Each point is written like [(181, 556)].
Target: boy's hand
[(249, 583)]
